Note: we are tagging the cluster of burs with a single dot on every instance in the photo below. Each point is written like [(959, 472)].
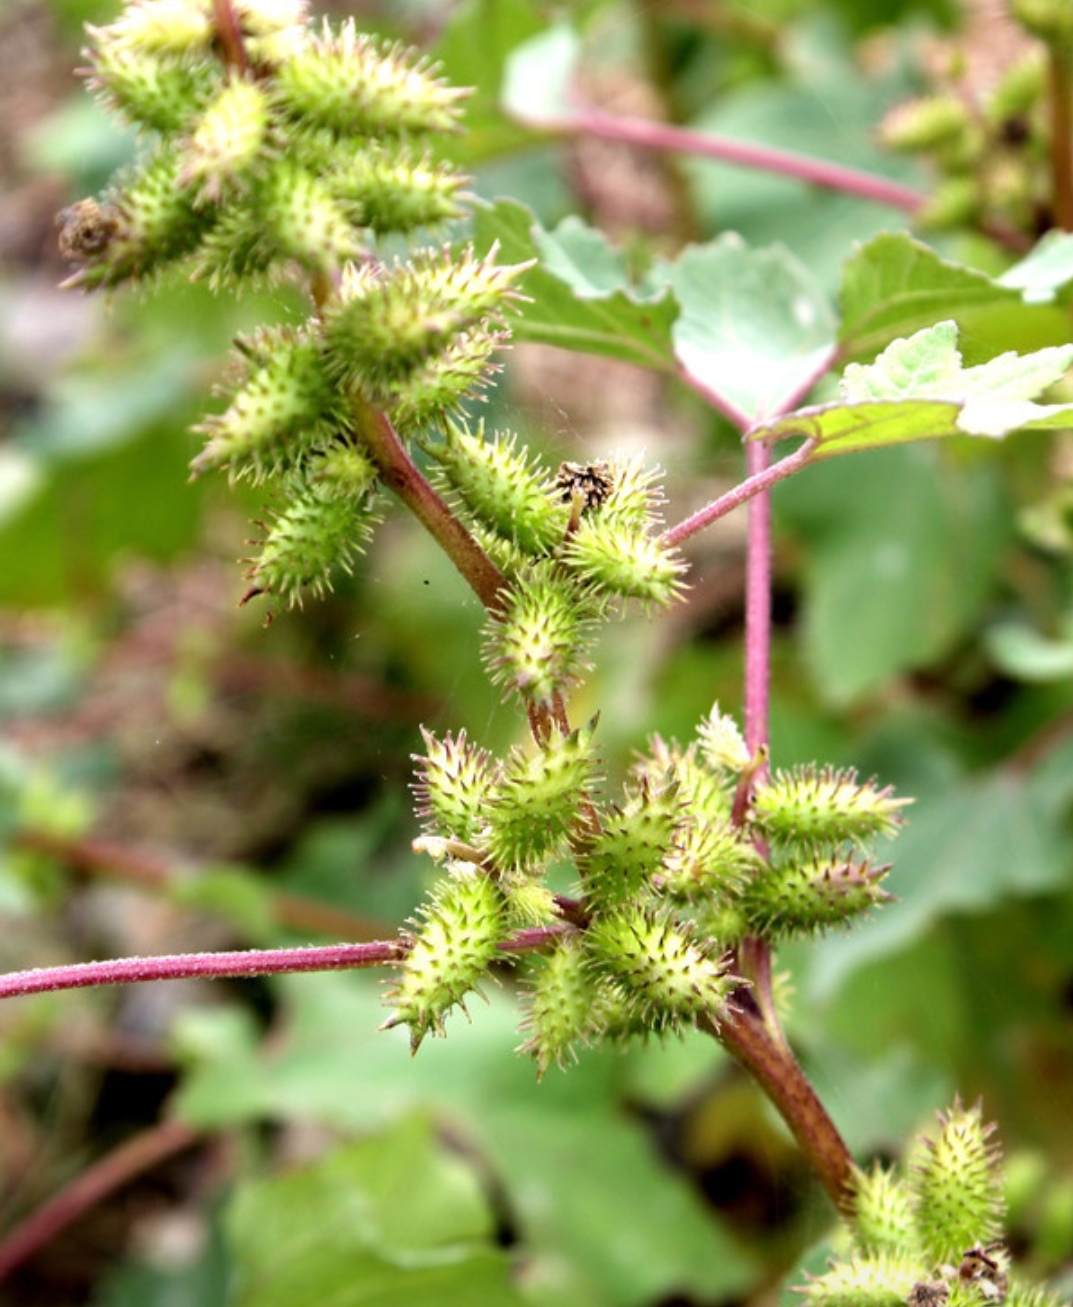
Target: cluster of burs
[(283, 151), (276, 150), (928, 1233)]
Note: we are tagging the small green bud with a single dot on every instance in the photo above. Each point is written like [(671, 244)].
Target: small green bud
[(456, 942), (623, 560), (828, 806), (273, 31), (536, 801), (792, 899), (453, 784), (634, 496), (528, 903), (882, 1279), (1020, 89), (282, 410), (159, 27), (395, 191), (162, 95), (883, 1217), (355, 86), (703, 793), (501, 488), (926, 124), (721, 743), (536, 642), (564, 1008), (664, 976), (228, 141), (325, 527), (435, 387), (956, 1185)]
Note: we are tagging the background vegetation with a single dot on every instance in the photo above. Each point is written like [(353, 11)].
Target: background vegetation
[(175, 776)]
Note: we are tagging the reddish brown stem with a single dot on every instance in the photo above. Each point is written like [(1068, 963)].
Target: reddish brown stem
[(1059, 106), (103, 1178), (401, 475), (775, 1069), (229, 34)]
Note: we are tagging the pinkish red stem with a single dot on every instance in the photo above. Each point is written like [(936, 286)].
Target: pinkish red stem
[(247, 962), (585, 121)]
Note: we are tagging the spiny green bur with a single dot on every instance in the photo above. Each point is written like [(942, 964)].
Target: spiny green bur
[(800, 898), (454, 781), (565, 1004), (957, 1185), (535, 803), (501, 488), (823, 806), (457, 939), (884, 1220), (536, 642), (664, 977)]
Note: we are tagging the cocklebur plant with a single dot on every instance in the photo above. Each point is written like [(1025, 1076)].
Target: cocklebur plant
[(276, 149)]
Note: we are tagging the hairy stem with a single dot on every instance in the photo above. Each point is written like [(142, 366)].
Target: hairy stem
[(103, 1178), (769, 1060), (246, 962), (585, 121), (401, 475), (758, 603), (754, 484)]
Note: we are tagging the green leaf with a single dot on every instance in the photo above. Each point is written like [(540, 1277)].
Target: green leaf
[(572, 1162), (895, 285), (1028, 655), (389, 1219), (571, 307), (536, 85), (1039, 275), (928, 365), (917, 389), (902, 556), (754, 327)]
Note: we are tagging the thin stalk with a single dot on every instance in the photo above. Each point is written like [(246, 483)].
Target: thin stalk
[(755, 484), (1060, 107), (758, 602), (86, 1191), (771, 1064), (585, 121)]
